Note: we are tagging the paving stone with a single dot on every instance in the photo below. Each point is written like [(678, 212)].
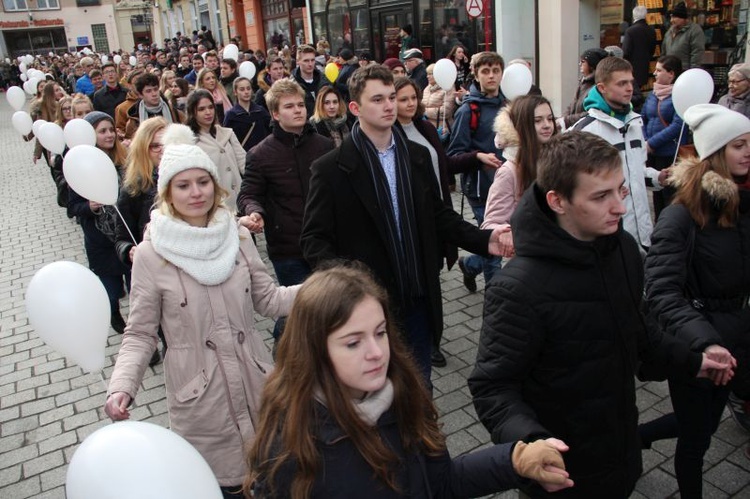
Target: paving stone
[(10, 475), (43, 463), (656, 483), (58, 442), (53, 480), (728, 477), (22, 489)]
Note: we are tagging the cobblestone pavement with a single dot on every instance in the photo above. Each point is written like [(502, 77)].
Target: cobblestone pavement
[(48, 406)]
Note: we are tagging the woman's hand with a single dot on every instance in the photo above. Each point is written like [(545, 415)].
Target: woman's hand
[(489, 159), (131, 253), (542, 461), (253, 222), (717, 365), (116, 406)]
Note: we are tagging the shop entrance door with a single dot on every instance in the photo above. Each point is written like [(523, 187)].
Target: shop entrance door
[(386, 26)]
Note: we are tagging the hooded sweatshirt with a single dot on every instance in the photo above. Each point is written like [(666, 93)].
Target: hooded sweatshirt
[(476, 184)]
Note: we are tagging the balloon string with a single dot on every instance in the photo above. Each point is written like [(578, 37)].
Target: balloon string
[(125, 224), (679, 141)]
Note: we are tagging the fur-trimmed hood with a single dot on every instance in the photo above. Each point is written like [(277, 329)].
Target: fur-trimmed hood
[(718, 188), (506, 135)]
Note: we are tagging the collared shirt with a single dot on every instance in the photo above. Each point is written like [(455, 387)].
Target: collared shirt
[(388, 162)]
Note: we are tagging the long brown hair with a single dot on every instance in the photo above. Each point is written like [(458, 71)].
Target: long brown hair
[(48, 103), (286, 430), (522, 116), (690, 179)]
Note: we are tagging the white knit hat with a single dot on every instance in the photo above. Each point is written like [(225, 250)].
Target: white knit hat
[(714, 126), (180, 154)]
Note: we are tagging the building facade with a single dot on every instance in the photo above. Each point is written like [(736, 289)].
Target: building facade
[(43, 26)]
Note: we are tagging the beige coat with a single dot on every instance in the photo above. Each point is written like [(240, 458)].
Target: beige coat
[(217, 363), (438, 103), (229, 157)]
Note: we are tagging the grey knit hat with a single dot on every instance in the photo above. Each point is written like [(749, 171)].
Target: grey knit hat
[(94, 117)]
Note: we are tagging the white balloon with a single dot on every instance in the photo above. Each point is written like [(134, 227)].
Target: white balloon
[(23, 77), (694, 86), (231, 51), (91, 173), (36, 73), (247, 69), (445, 74), (79, 132), (132, 459), (133, 60), (117, 59), (16, 98), (51, 54), (7, 60), (104, 59), (516, 81), (29, 59), (30, 85), (51, 137), (69, 309), (22, 67), (22, 122), (37, 125)]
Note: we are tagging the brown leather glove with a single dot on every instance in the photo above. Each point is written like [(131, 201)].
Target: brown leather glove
[(529, 461)]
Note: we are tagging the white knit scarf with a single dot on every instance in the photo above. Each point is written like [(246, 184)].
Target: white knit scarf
[(370, 408), (207, 254)]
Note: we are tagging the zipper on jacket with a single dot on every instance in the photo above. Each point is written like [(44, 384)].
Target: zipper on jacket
[(624, 131)]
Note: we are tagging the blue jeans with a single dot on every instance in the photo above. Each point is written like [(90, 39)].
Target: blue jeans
[(475, 264), (289, 271)]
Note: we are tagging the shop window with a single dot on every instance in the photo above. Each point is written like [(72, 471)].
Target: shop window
[(47, 4), (100, 38), (88, 3), (11, 5)]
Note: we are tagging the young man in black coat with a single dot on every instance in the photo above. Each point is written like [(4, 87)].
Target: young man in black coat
[(374, 199), (563, 333), (275, 184)]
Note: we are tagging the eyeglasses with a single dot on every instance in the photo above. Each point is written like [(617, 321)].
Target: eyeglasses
[(156, 147), (66, 109), (736, 82)]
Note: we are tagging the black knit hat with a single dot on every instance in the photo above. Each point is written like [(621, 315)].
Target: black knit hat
[(680, 10), (593, 57)]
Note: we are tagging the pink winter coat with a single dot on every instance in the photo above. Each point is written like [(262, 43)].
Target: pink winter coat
[(217, 363), (504, 194)]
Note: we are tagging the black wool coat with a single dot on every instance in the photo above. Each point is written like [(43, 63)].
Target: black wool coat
[(343, 220)]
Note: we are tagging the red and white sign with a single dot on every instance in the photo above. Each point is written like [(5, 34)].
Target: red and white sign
[(474, 8)]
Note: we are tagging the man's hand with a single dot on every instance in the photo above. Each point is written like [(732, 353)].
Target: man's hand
[(542, 461), (489, 159), (253, 222), (717, 365), (501, 242)]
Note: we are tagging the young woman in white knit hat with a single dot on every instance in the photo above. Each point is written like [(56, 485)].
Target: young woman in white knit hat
[(698, 280), (199, 275)]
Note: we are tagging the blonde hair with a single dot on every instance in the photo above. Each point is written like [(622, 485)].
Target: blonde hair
[(283, 87), (139, 170), (60, 117), (163, 83)]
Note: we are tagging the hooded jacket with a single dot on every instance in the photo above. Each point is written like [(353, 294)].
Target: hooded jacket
[(476, 184), (504, 194), (311, 89), (275, 185), (561, 341), (625, 132), (698, 278), (217, 363)]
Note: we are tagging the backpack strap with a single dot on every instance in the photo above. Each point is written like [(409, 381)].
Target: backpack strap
[(474, 119)]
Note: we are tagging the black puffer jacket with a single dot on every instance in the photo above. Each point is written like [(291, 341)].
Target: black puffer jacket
[(345, 474), (560, 345), (276, 182), (697, 279)]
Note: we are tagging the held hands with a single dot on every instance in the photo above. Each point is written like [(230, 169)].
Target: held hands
[(117, 406), (542, 461), (253, 222), (501, 242), (717, 365), (664, 176), (489, 159)]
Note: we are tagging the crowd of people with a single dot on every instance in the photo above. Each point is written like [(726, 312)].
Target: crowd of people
[(350, 181)]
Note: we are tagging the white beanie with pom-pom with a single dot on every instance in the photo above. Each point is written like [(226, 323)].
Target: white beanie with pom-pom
[(180, 154)]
